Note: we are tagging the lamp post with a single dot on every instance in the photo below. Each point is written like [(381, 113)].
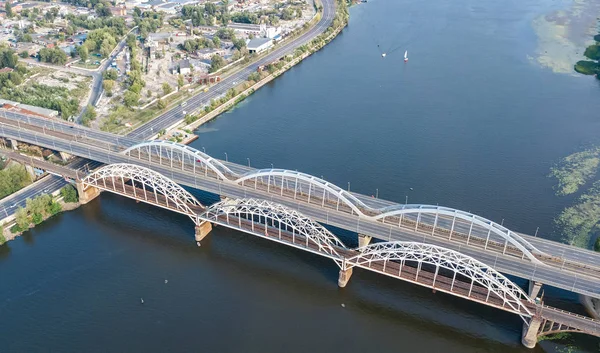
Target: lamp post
[(348, 186), (248, 161), (226, 157)]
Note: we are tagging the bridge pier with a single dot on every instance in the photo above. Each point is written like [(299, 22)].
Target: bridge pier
[(534, 289), (530, 332), (30, 171), (363, 240), (86, 194), (65, 156), (14, 144), (344, 277), (202, 231)]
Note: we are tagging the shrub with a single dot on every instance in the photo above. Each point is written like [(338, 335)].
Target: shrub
[(597, 245), (69, 194), (37, 218)]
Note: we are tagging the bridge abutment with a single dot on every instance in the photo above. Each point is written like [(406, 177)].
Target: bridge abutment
[(65, 156), (364, 240), (530, 332), (30, 171), (14, 144), (344, 277), (86, 194), (202, 231)]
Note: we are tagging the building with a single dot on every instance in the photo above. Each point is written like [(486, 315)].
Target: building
[(261, 30), (6, 70), (185, 67), (120, 10), (207, 53), (27, 109), (258, 45)]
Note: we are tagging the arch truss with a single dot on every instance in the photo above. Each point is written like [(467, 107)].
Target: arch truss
[(458, 222), (316, 191), (486, 284), (179, 156), (302, 186), (280, 219), (156, 188)]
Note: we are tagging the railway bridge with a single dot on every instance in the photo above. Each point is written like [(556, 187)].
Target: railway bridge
[(441, 248)]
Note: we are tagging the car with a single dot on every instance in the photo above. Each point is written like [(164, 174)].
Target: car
[(46, 191)]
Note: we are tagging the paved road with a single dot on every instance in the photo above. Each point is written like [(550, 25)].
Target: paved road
[(577, 282), (560, 250), (175, 115)]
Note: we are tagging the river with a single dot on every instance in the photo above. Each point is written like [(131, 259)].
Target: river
[(469, 122)]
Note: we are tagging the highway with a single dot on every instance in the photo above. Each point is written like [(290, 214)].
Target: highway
[(581, 282), (175, 115)]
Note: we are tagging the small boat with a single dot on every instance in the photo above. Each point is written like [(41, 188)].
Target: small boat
[(383, 55), (406, 56)]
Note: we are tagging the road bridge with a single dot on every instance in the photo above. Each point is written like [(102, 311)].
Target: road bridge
[(440, 269), (509, 252)]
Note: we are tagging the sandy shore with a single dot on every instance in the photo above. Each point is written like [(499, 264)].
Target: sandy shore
[(564, 34)]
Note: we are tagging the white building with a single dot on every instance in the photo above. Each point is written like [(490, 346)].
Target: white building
[(258, 45)]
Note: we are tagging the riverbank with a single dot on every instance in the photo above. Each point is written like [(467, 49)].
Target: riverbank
[(564, 34), (340, 21)]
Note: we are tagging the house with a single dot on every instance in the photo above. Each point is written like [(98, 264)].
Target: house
[(120, 10), (258, 45), (6, 70), (185, 67)]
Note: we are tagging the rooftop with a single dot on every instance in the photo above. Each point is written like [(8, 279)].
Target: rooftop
[(38, 110), (257, 42)]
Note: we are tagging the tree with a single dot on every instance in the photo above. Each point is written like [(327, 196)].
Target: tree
[(88, 115), (166, 88), (24, 54), (160, 104), (83, 52), (22, 219), (217, 42), (597, 245), (110, 74), (131, 98), (8, 9), (69, 194), (216, 62), (108, 86), (8, 58), (180, 81)]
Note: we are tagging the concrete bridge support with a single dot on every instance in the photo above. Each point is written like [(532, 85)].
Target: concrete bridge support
[(530, 332), (363, 240), (202, 231), (65, 156), (86, 194), (14, 144), (30, 171), (534, 289), (344, 277)]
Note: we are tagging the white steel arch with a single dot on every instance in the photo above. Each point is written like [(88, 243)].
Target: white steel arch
[(163, 146), (448, 259), (326, 241), (492, 227), (344, 196), (157, 183)]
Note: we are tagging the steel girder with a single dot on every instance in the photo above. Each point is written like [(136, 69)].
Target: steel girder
[(451, 260), (289, 219), (156, 182), (178, 150)]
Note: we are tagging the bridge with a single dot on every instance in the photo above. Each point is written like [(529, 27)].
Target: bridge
[(427, 245)]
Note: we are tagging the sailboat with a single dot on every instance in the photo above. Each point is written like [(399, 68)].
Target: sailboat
[(406, 56), (383, 55)]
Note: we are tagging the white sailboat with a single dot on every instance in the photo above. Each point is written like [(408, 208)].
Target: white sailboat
[(383, 55), (406, 56)]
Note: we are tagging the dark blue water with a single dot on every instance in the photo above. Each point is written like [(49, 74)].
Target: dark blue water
[(469, 122)]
